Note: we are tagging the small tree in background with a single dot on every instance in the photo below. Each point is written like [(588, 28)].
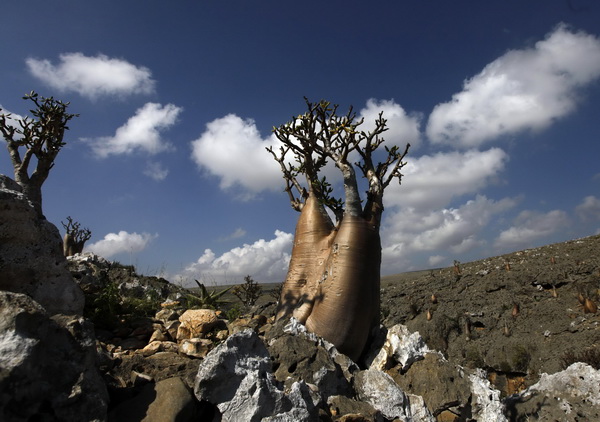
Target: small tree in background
[(42, 137), (75, 237), (249, 292)]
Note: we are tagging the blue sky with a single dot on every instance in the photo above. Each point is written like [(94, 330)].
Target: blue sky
[(166, 163)]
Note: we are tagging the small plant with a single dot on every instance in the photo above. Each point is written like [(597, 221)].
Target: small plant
[(103, 310), (249, 292), (233, 313), (474, 358), (130, 268), (590, 356), (206, 299), (520, 359)]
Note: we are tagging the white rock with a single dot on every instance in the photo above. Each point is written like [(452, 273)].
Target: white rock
[(380, 390), (487, 405), (578, 380), (420, 412), (236, 376), (402, 346)]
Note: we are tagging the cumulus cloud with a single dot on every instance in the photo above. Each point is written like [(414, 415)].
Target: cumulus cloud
[(402, 128), (522, 90), (431, 181), (142, 132), (156, 171), (92, 77), (410, 231), (265, 260), (589, 209), (122, 242), (529, 227), (232, 149)]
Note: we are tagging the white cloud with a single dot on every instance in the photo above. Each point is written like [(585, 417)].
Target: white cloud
[(140, 133), (589, 209), (93, 77), (122, 242), (237, 233), (431, 181), (265, 260), (529, 227), (156, 171), (522, 90), (410, 231), (403, 128), (233, 149), (436, 260)]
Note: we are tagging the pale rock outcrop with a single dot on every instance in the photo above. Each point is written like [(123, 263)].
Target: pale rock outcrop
[(379, 390), (195, 347), (486, 404), (441, 384), (237, 377), (31, 256), (400, 346), (195, 323), (48, 365), (569, 395)]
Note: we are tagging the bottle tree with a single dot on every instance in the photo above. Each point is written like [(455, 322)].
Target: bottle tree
[(40, 137), (333, 281)]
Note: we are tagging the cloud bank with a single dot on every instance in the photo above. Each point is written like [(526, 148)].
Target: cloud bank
[(92, 77), (265, 260), (522, 90), (122, 242), (530, 226)]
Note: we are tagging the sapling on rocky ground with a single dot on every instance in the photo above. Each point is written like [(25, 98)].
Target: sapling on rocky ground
[(248, 292)]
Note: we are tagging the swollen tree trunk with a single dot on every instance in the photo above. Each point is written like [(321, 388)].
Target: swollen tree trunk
[(333, 280), (312, 244), (348, 288)]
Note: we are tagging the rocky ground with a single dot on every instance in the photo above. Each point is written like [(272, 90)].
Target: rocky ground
[(510, 338), (516, 315), (498, 323)]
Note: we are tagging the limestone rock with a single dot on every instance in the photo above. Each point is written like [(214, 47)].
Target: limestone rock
[(31, 256), (169, 400), (441, 384), (301, 358), (486, 400), (379, 390), (196, 322), (159, 346), (236, 376), (400, 346), (48, 365), (351, 409), (195, 347), (569, 395)]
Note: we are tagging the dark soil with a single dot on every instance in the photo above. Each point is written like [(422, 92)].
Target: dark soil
[(515, 315)]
